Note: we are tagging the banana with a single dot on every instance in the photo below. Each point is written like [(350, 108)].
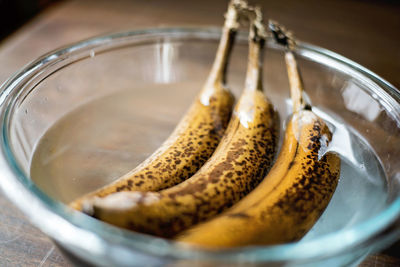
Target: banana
[(287, 203), (240, 161), (195, 137)]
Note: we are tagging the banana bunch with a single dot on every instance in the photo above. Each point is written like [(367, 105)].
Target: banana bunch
[(197, 134), (290, 199), (232, 197), (242, 158)]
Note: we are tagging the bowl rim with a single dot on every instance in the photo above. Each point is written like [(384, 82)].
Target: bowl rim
[(77, 227)]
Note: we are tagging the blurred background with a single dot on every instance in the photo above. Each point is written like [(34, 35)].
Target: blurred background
[(366, 31), (14, 13)]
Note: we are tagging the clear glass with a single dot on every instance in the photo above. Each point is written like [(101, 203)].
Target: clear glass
[(153, 75)]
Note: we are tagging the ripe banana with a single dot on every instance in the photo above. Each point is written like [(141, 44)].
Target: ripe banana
[(196, 136), (287, 203), (238, 164)]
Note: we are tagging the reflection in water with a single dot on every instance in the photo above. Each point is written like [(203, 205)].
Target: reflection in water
[(165, 55), (358, 101), (341, 140)]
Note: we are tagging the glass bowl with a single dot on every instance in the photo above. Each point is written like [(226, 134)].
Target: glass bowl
[(77, 118)]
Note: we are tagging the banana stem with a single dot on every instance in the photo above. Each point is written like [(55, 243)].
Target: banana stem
[(285, 38), (257, 38), (296, 84), (219, 69)]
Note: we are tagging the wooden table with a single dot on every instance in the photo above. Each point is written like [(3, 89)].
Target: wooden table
[(367, 32)]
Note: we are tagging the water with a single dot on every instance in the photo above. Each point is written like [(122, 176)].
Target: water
[(102, 140), (106, 138)]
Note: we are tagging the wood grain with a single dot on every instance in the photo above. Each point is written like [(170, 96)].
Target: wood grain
[(364, 31)]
